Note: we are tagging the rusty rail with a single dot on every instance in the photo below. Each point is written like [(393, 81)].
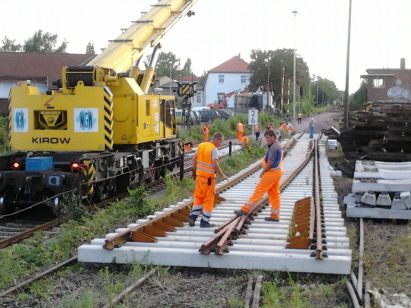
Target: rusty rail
[(306, 228), (306, 222), (175, 217), (233, 228), (25, 234), (318, 216), (167, 221)]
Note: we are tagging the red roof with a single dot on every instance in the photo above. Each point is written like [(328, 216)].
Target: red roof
[(38, 64), (234, 65), (189, 78)]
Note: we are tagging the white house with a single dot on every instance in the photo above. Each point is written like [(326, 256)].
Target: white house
[(226, 78)]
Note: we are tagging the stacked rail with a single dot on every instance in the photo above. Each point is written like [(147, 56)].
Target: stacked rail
[(263, 244)]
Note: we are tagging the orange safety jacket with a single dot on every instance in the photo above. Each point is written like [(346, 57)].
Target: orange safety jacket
[(240, 127), (246, 144), (204, 164), (257, 129)]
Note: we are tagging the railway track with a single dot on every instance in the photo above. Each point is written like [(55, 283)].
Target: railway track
[(151, 187), (165, 238), (14, 229), (256, 233)]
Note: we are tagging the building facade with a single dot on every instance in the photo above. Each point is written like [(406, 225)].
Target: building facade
[(389, 84), (227, 78)]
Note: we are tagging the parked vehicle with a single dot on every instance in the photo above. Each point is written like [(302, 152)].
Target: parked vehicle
[(209, 116), (195, 118), (199, 109), (224, 115)]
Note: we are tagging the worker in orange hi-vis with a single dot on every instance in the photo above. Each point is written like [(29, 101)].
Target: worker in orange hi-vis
[(283, 131), (205, 132), (257, 131), (188, 146), (290, 127), (269, 179), (205, 168), (240, 131), (245, 143)]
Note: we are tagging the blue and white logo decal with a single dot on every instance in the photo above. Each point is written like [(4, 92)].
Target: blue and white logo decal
[(21, 120), (86, 120)]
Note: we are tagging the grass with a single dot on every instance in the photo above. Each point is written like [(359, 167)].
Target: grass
[(313, 291), (227, 128), (24, 259)]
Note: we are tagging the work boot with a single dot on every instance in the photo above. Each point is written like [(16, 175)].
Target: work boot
[(240, 212), (206, 224), (192, 220), (271, 219)]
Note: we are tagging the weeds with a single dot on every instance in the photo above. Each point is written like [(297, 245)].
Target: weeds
[(29, 257), (284, 293)]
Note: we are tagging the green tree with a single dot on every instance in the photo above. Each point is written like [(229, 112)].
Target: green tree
[(90, 49), (9, 45), (360, 96), (186, 71), (324, 92), (165, 61), (203, 79), (278, 59), (44, 43)]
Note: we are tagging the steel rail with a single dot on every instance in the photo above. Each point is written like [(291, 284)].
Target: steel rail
[(319, 245), (38, 276), (25, 234), (221, 239), (167, 221)]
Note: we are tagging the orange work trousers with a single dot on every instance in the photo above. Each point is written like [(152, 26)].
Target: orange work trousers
[(206, 137), (204, 195), (240, 136), (269, 182)]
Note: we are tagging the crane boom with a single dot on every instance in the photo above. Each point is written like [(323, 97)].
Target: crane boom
[(99, 106), (129, 47), (102, 132)]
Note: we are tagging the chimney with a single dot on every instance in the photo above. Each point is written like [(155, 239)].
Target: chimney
[(402, 64)]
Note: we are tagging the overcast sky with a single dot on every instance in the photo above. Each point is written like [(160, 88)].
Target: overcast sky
[(221, 29)]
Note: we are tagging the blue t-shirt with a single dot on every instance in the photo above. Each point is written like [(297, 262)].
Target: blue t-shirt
[(274, 152)]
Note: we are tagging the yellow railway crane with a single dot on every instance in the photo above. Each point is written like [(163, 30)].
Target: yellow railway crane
[(101, 127)]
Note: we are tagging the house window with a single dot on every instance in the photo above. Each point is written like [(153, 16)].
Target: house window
[(221, 78), (198, 97), (378, 83), (243, 78)]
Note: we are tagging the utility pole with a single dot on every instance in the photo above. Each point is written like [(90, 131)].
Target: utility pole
[(282, 86), (171, 66), (347, 72), (294, 68), (294, 88), (268, 82), (309, 92)]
